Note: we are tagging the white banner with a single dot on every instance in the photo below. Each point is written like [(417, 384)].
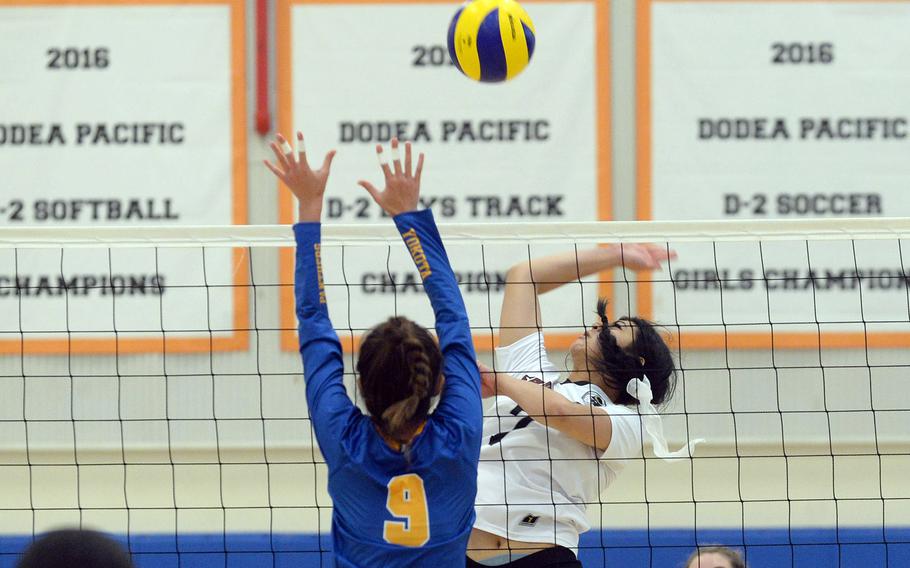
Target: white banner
[(121, 115), (535, 148), (767, 110)]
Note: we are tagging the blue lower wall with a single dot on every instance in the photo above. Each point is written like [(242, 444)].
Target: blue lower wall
[(771, 548)]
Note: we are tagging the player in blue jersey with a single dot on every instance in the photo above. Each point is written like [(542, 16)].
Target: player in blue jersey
[(403, 481)]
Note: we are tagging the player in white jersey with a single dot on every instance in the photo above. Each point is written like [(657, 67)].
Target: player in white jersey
[(551, 446)]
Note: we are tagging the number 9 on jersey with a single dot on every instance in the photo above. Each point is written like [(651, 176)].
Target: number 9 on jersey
[(408, 500)]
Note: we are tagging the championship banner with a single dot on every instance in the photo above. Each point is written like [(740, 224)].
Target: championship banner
[(353, 74), (776, 110), (114, 114)]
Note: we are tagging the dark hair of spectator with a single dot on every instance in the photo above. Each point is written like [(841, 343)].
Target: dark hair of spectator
[(75, 548)]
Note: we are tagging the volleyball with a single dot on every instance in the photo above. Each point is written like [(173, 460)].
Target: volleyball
[(491, 40)]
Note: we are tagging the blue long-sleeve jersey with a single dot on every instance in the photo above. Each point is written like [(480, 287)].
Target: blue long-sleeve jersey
[(391, 509)]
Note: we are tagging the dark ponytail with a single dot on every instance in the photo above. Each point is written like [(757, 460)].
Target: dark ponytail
[(399, 367), (618, 366)]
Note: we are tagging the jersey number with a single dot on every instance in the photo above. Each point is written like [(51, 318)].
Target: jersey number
[(407, 500)]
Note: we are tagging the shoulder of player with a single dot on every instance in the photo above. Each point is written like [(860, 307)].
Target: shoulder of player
[(531, 344), (444, 432), (534, 340)]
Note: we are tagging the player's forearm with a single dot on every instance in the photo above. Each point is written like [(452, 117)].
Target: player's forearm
[(309, 211), (309, 289), (538, 402), (583, 423), (551, 272), (421, 237), (313, 324), (320, 349)]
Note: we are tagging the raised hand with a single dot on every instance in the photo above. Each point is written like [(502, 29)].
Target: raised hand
[(307, 185), (643, 256), (402, 186)]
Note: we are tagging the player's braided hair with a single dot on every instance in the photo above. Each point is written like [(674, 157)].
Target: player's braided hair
[(399, 368), (618, 366)]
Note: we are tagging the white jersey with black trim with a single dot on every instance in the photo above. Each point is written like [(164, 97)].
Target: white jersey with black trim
[(533, 482)]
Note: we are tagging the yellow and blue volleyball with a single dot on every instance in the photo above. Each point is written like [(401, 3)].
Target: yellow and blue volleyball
[(491, 40)]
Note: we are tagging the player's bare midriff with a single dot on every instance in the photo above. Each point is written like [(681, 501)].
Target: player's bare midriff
[(483, 545)]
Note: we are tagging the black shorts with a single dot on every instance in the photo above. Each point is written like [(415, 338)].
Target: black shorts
[(556, 557)]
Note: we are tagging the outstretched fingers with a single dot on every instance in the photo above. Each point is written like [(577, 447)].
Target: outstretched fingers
[(275, 170), (402, 188), (383, 162), (396, 157), (660, 253), (301, 150), (286, 150), (419, 170), (327, 162), (280, 159), (407, 159), (371, 189)]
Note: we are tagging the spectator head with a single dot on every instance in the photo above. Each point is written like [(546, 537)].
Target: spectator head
[(72, 548), (715, 557)]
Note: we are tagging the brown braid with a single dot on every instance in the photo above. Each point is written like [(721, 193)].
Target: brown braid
[(399, 369), (398, 417)]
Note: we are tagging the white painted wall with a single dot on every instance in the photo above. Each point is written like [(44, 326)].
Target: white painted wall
[(199, 443)]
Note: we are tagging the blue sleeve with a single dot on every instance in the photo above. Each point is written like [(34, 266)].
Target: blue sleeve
[(461, 394), (329, 406)]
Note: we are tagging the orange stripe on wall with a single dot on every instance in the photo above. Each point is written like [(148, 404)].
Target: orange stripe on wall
[(644, 197), (239, 339), (603, 136)]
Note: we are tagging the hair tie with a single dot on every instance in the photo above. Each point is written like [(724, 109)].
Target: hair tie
[(640, 390)]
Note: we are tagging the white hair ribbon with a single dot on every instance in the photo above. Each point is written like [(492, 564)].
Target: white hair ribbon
[(640, 389)]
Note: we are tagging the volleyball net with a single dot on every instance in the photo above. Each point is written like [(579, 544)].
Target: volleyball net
[(150, 385)]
